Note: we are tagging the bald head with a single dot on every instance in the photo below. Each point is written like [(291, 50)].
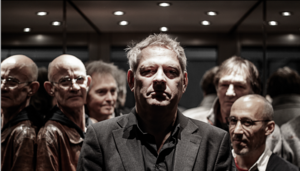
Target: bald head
[(254, 101), (64, 61), (21, 62)]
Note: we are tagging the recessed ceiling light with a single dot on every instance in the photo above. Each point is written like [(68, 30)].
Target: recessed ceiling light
[(26, 29), (205, 23), (56, 23), (273, 23), (163, 29), (164, 4), (211, 13), (123, 23), (118, 13), (41, 13), (286, 13)]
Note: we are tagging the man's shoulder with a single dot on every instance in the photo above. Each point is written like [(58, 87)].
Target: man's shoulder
[(111, 124), (206, 129), (50, 129), (21, 130), (276, 163)]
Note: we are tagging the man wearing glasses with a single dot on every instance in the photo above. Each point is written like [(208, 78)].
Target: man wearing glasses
[(60, 140), (20, 122), (250, 122)]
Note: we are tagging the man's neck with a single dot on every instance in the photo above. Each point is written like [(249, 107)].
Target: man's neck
[(76, 115), (247, 161), (157, 123), (222, 117), (9, 113)]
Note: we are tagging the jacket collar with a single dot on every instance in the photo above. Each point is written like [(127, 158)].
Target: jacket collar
[(28, 113), (129, 148), (58, 116)]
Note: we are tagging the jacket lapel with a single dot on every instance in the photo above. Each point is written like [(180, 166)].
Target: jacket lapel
[(187, 148), (128, 147)]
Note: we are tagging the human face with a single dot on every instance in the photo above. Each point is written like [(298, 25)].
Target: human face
[(73, 96), (102, 96), (159, 80), (14, 97), (248, 140), (231, 87)]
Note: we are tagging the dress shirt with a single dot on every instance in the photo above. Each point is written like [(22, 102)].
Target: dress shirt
[(261, 163)]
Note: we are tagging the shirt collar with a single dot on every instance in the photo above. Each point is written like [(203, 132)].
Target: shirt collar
[(177, 128), (262, 162)]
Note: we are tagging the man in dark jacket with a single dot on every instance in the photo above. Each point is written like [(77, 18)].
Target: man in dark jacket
[(250, 122), (60, 140), (155, 135), (20, 122)]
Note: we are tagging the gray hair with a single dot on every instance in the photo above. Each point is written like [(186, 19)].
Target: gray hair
[(101, 67), (134, 51)]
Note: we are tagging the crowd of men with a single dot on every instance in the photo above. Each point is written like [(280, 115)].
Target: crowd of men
[(88, 127)]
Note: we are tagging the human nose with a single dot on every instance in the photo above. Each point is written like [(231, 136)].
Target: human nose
[(109, 96), (238, 129), (230, 90), (74, 85), (160, 76)]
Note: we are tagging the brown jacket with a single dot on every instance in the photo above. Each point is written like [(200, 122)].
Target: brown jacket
[(17, 147), (58, 147)]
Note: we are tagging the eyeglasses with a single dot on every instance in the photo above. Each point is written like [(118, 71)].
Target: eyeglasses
[(67, 82), (12, 82), (246, 122)]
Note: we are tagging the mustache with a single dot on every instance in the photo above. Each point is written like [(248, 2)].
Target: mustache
[(238, 139)]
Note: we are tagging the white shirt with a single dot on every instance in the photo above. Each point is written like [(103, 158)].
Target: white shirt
[(262, 162)]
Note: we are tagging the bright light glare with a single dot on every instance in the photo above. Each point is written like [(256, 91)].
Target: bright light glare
[(286, 13), (41, 13), (164, 4), (273, 23), (123, 23), (26, 29), (163, 29), (211, 13), (56, 23), (118, 13), (205, 23)]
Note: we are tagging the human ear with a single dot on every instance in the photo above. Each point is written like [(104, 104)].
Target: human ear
[(130, 79), (33, 88), (270, 127), (185, 81), (49, 88), (89, 80)]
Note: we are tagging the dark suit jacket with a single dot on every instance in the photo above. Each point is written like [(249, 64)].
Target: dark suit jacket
[(278, 164), (109, 145)]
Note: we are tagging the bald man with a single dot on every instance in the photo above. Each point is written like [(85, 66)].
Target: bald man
[(20, 122), (60, 140), (250, 122)]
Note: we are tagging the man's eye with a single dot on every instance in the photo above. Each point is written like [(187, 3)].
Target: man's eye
[(147, 72), (80, 80), (247, 122)]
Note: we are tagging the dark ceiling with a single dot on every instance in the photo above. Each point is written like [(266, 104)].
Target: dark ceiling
[(147, 16)]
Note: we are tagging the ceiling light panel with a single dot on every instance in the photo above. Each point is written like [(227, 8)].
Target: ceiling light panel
[(273, 23), (164, 4), (56, 23), (163, 29), (26, 29), (118, 13), (205, 23), (211, 13), (123, 23), (286, 13), (42, 13)]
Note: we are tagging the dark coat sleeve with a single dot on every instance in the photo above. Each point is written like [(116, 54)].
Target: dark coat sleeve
[(91, 157)]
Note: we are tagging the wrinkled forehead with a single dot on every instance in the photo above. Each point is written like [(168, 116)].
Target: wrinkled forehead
[(59, 70), (16, 70), (237, 74)]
